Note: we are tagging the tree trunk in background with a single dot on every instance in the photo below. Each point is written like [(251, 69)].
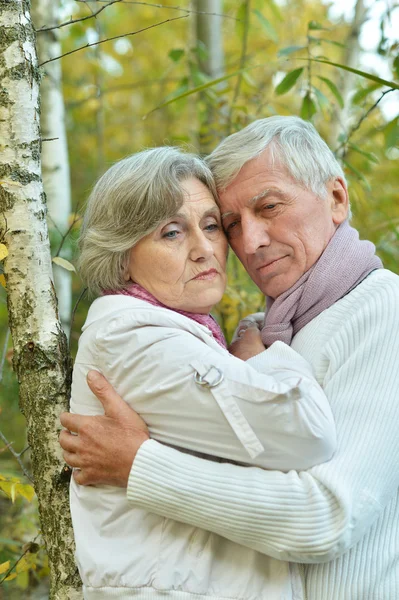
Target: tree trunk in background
[(41, 358), (347, 80), (208, 28), (55, 163)]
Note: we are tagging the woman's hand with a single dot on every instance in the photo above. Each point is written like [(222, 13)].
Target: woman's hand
[(248, 344)]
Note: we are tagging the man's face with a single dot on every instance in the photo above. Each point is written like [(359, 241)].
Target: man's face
[(277, 228)]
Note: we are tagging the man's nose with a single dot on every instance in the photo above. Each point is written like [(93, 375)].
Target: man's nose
[(254, 234), (202, 248)]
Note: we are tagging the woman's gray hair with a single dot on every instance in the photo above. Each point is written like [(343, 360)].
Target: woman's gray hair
[(127, 203), (291, 142)]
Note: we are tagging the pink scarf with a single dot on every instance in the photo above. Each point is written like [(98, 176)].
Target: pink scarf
[(136, 291), (345, 262)]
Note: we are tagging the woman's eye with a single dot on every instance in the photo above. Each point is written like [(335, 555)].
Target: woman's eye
[(212, 227), (171, 235)]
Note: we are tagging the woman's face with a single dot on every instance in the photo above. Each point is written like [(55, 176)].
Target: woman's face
[(182, 263)]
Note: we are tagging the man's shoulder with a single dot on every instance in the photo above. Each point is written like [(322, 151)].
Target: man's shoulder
[(380, 283), (375, 299)]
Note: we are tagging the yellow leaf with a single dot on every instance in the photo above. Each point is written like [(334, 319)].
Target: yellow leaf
[(3, 280), (10, 182), (13, 492), (4, 567), (23, 580), (3, 251), (23, 565), (65, 264), (26, 491), (11, 577)]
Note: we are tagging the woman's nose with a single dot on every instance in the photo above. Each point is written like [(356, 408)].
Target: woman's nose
[(202, 247)]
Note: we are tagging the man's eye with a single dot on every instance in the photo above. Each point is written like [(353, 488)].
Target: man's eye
[(270, 206), (231, 229)]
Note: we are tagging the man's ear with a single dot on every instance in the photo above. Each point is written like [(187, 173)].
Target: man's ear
[(339, 197)]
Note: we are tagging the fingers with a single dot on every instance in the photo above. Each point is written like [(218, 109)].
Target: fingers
[(111, 401), (68, 441), (71, 459), (71, 422)]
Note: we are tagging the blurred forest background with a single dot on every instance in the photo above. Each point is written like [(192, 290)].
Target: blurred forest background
[(142, 74)]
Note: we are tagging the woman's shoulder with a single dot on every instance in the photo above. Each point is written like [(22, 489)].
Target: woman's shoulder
[(116, 319)]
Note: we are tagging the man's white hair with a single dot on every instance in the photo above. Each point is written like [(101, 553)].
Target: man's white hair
[(291, 142)]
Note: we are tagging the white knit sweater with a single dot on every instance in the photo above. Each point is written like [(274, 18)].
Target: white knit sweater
[(342, 517)]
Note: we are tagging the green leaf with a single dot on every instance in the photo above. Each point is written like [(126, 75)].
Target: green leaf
[(391, 84), (391, 133), (314, 25), (332, 42), (396, 66), (324, 102), (176, 54), (369, 155), (275, 10), (289, 50), (362, 93), (308, 108), (248, 79), (358, 174), (200, 88), (288, 82), (267, 26), (333, 89)]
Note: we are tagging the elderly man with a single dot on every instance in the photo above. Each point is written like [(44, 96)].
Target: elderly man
[(284, 206)]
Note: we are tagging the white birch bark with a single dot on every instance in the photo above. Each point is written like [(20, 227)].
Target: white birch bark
[(55, 162), (41, 358), (347, 80)]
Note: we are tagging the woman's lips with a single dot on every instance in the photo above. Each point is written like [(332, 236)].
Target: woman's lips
[(208, 275)]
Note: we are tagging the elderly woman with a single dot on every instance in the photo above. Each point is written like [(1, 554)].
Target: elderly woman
[(153, 247)]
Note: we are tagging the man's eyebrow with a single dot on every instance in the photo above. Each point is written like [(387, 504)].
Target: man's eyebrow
[(267, 192), (264, 194)]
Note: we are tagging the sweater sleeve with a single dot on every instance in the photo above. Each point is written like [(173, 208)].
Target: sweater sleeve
[(317, 515), (272, 414)]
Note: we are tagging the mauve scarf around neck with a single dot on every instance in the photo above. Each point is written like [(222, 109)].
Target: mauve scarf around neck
[(345, 262), (136, 291)]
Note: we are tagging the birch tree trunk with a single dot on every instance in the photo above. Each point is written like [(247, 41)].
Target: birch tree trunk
[(350, 59), (55, 163), (208, 29), (41, 358)]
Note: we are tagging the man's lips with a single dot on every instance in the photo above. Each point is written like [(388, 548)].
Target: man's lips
[(209, 274), (269, 264)]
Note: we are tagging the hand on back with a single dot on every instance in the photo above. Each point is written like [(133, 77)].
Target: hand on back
[(102, 448)]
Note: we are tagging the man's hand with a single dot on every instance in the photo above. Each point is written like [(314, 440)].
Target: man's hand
[(105, 446), (248, 344)]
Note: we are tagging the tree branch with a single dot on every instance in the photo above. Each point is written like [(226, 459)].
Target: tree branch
[(357, 125), (10, 570), (71, 21), (3, 358), (81, 296), (110, 39), (64, 237), (179, 8), (17, 457)]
